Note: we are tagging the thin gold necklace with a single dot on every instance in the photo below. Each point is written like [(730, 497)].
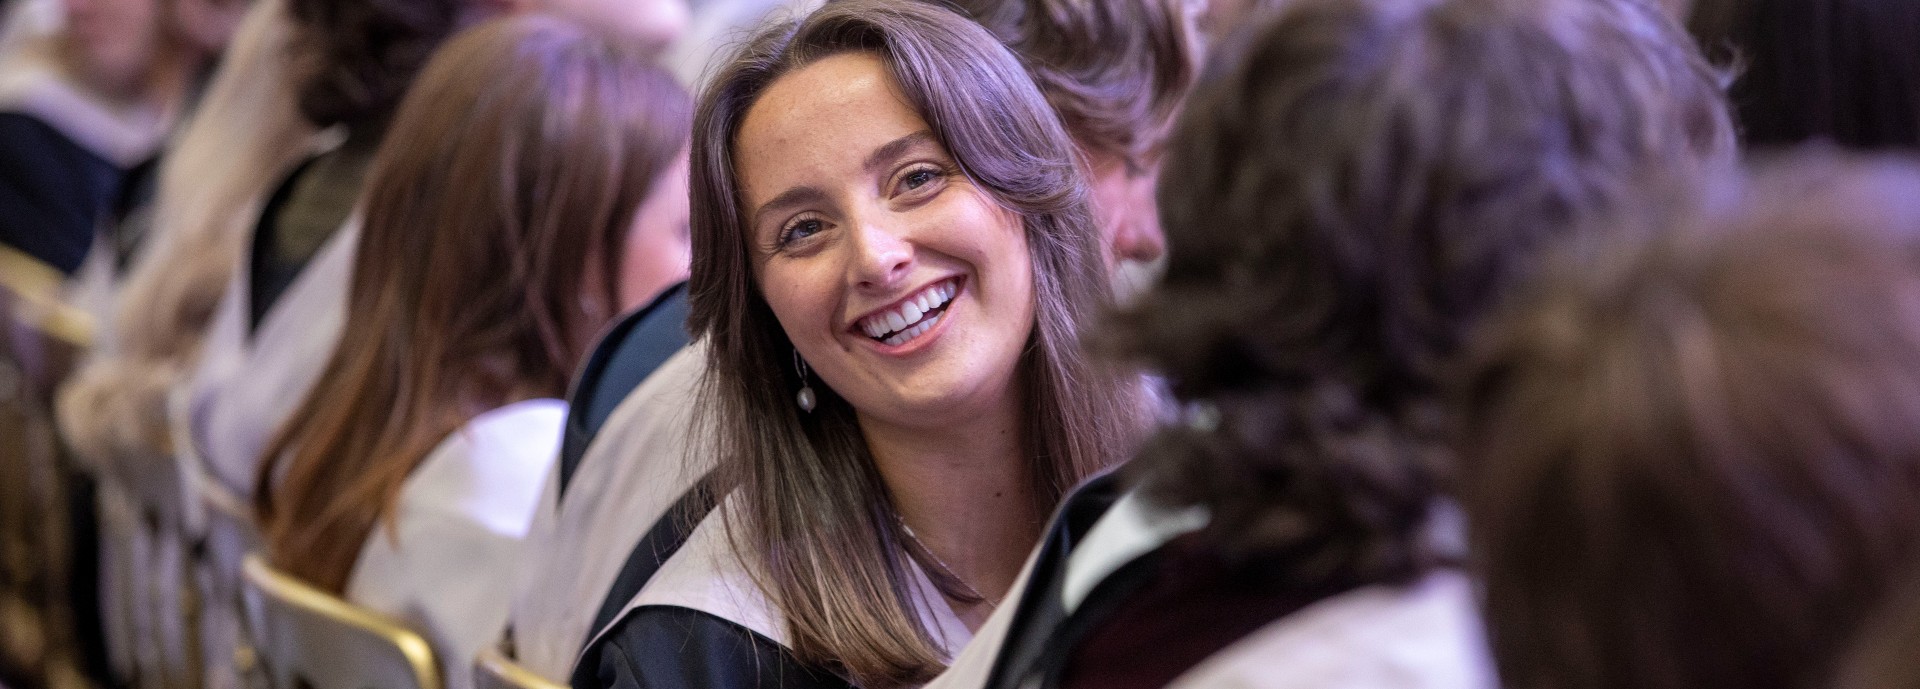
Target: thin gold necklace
[(919, 550)]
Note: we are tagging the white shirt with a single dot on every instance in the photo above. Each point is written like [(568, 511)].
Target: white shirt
[(443, 561)]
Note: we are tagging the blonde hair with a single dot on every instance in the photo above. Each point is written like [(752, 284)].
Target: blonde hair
[(211, 184)]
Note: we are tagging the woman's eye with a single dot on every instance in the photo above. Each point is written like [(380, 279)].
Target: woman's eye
[(800, 229), (919, 178)]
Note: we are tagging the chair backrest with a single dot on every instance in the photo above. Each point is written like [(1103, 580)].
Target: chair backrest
[(309, 638), (493, 670)]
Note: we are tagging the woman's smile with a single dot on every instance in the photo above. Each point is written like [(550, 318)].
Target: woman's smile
[(911, 323)]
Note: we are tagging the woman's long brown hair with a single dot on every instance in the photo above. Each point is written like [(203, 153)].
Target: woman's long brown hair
[(814, 522), (496, 215)]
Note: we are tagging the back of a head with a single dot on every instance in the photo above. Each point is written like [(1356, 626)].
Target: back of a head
[(495, 217), (353, 59), (1690, 457), (1350, 197), (1844, 71), (1115, 70)]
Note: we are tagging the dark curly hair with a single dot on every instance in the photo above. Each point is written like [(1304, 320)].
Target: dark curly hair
[(1341, 205), (1115, 70), (1688, 454), (353, 59)]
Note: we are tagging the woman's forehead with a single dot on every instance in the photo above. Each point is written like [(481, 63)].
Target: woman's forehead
[(821, 118)]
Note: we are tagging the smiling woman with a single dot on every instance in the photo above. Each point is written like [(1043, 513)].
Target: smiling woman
[(893, 259)]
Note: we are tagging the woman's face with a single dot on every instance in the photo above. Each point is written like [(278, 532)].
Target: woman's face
[(112, 42), (906, 288)]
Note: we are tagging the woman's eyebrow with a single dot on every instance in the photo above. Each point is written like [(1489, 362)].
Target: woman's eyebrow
[(797, 196), (894, 149), (800, 196)]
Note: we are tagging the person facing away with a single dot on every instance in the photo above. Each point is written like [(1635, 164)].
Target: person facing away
[(1343, 200), (893, 258), (1688, 455), (498, 214)]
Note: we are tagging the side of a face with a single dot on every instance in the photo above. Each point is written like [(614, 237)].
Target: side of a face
[(1129, 216), (112, 42), (906, 288), (657, 247)]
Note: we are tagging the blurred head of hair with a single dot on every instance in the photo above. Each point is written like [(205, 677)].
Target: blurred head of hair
[(1115, 70), (1342, 203), (352, 60), (1842, 71), (495, 217), (1689, 455)]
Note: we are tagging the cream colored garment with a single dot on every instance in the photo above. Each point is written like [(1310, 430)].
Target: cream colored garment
[(1426, 635), (707, 575), (33, 82), (241, 138), (244, 388), (640, 463), (455, 540)]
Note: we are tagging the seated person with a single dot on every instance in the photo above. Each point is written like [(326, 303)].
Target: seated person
[(1341, 202), (1691, 460), (890, 226), (496, 211), (78, 109), (1114, 71)]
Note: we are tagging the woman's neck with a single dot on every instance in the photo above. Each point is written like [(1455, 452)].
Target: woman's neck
[(965, 488)]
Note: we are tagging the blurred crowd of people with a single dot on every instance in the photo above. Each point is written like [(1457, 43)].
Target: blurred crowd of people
[(664, 344)]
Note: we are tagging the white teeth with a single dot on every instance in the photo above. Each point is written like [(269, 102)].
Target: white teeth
[(917, 330), (906, 322)]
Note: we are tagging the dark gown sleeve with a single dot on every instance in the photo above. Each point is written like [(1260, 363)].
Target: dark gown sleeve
[(52, 192), (669, 647)]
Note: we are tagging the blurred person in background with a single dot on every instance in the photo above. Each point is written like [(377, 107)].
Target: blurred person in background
[(86, 101), (1841, 71), (1343, 201), (1689, 455), (499, 214), (81, 107)]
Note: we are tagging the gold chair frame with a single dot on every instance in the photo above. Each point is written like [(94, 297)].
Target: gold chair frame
[(307, 634), (493, 670)]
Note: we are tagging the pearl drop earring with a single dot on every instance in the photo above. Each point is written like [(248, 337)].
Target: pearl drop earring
[(805, 399)]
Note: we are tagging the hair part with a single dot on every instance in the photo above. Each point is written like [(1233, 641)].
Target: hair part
[(1342, 204), (1691, 460), (816, 525), (507, 186)]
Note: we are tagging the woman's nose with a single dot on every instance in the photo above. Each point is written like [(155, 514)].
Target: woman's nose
[(883, 257)]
